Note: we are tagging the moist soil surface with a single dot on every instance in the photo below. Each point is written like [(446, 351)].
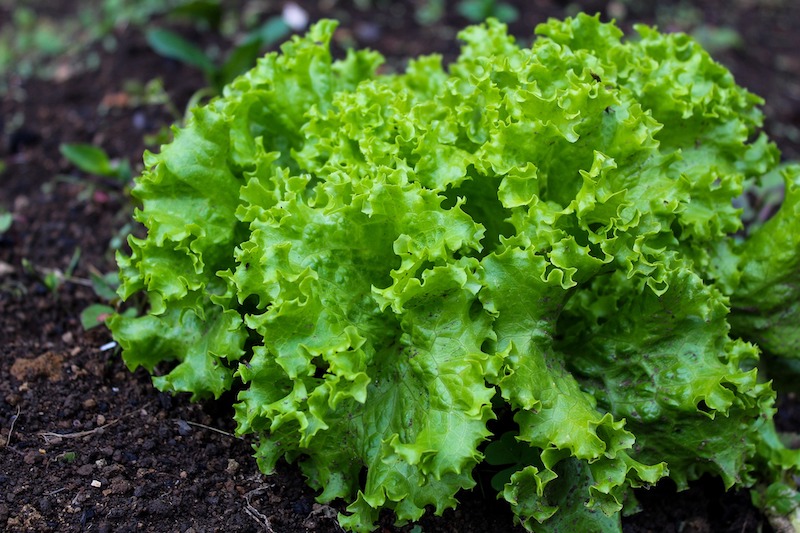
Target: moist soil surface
[(87, 445)]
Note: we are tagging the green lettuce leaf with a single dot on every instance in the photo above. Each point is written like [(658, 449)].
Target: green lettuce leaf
[(766, 302)]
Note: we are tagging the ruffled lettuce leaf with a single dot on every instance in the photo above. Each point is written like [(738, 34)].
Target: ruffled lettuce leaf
[(766, 301)]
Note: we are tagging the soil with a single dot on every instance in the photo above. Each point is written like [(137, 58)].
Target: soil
[(87, 445)]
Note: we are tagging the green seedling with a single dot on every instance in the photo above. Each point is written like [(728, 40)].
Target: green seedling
[(6, 219), (53, 278), (430, 12), (67, 457), (105, 287), (95, 161), (718, 39), (169, 44), (95, 315), (118, 240), (480, 10), (207, 12)]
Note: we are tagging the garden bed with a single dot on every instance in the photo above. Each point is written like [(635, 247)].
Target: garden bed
[(87, 445)]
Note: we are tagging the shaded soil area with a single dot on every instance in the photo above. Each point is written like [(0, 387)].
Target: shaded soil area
[(87, 445)]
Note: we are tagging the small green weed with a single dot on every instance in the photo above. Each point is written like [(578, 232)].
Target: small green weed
[(480, 10), (94, 160), (6, 219), (170, 44)]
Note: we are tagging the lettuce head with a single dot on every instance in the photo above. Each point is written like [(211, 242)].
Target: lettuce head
[(531, 258)]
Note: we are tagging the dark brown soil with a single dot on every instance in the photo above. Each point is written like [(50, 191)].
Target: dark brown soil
[(87, 445)]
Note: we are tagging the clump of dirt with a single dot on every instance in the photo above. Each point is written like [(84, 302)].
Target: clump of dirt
[(47, 365)]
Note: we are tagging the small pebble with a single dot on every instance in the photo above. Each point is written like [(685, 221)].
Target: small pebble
[(45, 505), (295, 16), (139, 120), (184, 429), (369, 32)]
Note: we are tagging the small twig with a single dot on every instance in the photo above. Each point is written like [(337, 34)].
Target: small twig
[(75, 498), (11, 429), (50, 435), (326, 511), (79, 281), (54, 492), (47, 435), (254, 513), (16, 451), (226, 433)]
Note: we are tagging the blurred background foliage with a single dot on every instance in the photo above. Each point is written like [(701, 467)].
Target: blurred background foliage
[(54, 40), (36, 39)]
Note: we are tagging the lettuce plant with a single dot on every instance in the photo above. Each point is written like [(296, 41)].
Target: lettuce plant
[(530, 258)]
